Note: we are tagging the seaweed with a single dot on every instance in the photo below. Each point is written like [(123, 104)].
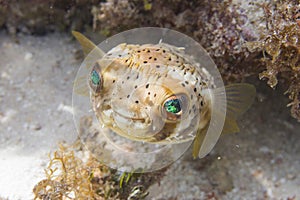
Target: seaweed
[(280, 47), (68, 176)]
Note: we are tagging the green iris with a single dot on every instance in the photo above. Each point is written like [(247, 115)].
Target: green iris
[(173, 106), (95, 78)]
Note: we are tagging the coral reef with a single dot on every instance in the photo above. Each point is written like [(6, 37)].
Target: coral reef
[(240, 44), (69, 177), (220, 26), (39, 17), (243, 37), (280, 44)]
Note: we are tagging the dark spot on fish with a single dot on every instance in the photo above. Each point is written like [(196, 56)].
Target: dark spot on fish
[(114, 81), (145, 61), (154, 58), (148, 93), (119, 55), (148, 51), (154, 95), (147, 85), (170, 59), (164, 51), (136, 102), (199, 95), (150, 57), (128, 96), (128, 77), (139, 51), (201, 103), (157, 66), (186, 82), (157, 49), (183, 84), (120, 98), (177, 61), (135, 86)]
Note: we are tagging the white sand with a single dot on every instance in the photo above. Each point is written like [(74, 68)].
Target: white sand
[(261, 162)]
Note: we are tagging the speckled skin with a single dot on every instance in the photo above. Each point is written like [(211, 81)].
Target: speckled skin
[(136, 80)]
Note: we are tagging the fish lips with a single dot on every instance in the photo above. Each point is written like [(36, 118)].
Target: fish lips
[(140, 126)]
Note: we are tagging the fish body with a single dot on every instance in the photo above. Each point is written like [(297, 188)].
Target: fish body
[(157, 93)]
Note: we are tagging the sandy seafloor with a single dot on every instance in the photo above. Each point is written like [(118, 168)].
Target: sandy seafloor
[(260, 162)]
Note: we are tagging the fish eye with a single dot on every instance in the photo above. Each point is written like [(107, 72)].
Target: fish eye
[(95, 79), (173, 107)]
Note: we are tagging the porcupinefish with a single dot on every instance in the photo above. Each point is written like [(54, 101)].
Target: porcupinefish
[(156, 93)]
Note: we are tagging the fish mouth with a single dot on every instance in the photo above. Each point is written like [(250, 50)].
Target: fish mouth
[(133, 118), (138, 127)]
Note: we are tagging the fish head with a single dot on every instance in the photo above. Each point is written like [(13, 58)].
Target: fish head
[(142, 99)]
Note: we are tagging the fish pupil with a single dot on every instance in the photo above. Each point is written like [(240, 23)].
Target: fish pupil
[(173, 106), (95, 78)]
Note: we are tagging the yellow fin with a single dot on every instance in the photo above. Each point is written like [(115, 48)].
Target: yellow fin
[(239, 97), (92, 54), (86, 44), (237, 100), (230, 126), (198, 141)]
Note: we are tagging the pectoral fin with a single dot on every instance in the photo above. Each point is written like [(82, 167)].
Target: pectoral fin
[(239, 98), (92, 53), (86, 44), (230, 126)]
